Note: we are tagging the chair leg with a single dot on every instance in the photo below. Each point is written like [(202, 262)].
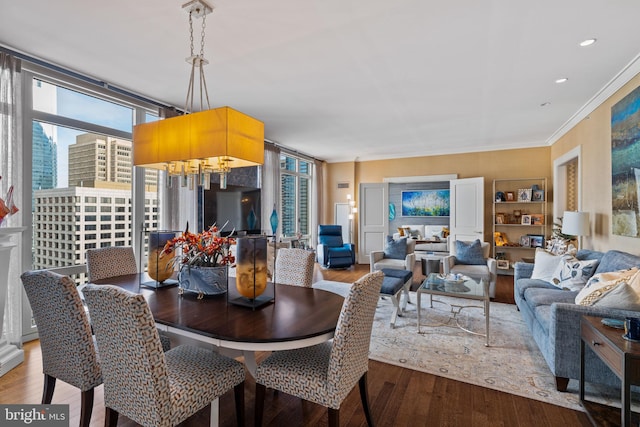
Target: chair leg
[(562, 383), (86, 408), (334, 417), (364, 396), (110, 417), (47, 389), (259, 404), (239, 397)]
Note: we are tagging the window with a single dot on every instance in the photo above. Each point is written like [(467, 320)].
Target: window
[(295, 195), (75, 123)]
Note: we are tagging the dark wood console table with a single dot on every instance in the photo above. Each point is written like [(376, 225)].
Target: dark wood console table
[(623, 358)]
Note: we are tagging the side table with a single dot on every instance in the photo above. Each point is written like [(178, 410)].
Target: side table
[(622, 357)]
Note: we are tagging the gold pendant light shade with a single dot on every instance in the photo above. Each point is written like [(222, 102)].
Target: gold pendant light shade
[(210, 141)]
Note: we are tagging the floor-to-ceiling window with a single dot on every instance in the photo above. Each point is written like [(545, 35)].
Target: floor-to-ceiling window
[(295, 196), (78, 164)]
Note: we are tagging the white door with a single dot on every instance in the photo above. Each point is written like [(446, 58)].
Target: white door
[(373, 219), (467, 209)]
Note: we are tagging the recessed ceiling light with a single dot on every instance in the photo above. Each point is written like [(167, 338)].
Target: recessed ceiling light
[(562, 80), (588, 42), (545, 104)]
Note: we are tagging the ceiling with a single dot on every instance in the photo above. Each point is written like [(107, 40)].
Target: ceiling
[(346, 80)]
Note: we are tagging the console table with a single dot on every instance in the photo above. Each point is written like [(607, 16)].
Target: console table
[(622, 357)]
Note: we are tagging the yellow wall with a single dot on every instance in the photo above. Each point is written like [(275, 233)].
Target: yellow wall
[(522, 163), (593, 134)]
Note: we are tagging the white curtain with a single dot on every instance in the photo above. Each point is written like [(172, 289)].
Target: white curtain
[(316, 197), (270, 193), (10, 169)]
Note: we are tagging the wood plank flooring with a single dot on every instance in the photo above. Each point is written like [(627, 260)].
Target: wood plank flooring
[(398, 396)]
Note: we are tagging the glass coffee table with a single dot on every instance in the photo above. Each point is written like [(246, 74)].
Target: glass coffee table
[(465, 287)]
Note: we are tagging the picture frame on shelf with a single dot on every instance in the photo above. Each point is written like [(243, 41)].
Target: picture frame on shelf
[(510, 196), (524, 194), (537, 196), (537, 219), (500, 218), (502, 264), (525, 220), (536, 241), (525, 241)]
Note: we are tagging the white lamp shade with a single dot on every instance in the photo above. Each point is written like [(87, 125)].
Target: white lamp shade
[(575, 223)]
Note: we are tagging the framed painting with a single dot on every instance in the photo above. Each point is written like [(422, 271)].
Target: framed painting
[(425, 203), (625, 166), (536, 240)]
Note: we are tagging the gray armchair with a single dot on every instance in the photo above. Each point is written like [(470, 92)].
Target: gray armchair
[(486, 268), (385, 258)]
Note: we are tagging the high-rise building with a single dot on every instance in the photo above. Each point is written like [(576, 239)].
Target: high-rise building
[(45, 160), (102, 161)]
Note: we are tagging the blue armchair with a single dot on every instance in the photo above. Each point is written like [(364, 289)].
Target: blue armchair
[(332, 252)]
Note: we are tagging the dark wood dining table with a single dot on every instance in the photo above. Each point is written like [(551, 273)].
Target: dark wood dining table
[(298, 317)]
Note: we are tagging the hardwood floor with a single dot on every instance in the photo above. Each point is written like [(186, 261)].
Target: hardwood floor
[(398, 396)]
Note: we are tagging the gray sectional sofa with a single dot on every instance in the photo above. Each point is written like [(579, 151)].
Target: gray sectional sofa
[(554, 319)]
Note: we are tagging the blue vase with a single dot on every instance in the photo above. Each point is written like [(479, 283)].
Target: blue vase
[(274, 221), (203, 281), (251, 219)]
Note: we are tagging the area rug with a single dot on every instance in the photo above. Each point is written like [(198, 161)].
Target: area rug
[(512, 363)]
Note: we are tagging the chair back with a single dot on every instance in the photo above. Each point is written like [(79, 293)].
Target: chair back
[(134, 370), (330, 235), (294, 267), (349, 358), (68, 352), (486, 248), (111, 261)]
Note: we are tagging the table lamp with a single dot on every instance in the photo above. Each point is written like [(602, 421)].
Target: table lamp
[(575, 223)]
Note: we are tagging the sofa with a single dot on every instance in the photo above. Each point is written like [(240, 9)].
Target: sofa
[(438, 242), (553, 317)]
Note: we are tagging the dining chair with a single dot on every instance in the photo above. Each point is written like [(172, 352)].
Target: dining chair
[(141, 382), (110, 261), (327, 372), (294, 267), (68, 351)]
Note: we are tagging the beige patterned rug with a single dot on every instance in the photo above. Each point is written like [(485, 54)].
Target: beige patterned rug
[(512, 363)]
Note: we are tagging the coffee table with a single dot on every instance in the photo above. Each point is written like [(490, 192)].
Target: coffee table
[(468, 288)]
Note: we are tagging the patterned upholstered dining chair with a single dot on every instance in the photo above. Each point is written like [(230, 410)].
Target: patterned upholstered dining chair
[(294, 267), (68, 351), (327, 372), (141, 382), (110, 261)]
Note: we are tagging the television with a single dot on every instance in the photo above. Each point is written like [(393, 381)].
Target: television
[(236, 206)]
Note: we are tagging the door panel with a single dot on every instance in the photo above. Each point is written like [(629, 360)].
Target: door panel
[(373, 219), (467, 209)]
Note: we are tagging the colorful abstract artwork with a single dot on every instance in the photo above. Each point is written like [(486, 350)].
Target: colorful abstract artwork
[(425, 203), (625, 165)]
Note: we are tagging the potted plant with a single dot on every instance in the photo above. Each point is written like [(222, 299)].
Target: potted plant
[(203, 261)]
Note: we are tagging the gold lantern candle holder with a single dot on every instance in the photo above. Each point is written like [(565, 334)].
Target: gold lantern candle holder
[(252, 288), (160, 266)]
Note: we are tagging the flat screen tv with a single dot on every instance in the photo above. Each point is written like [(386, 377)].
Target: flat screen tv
[(238, 207)]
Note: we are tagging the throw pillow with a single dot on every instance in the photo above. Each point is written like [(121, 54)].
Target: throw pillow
[(572, 274), (401, 231), (395, 249), (601, 284), (469, 253), (545, 265)]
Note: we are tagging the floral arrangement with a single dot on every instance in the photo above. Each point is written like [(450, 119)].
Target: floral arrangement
[(7, 208), (205, 249)]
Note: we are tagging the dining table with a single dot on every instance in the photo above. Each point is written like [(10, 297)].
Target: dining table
[(298, 316)]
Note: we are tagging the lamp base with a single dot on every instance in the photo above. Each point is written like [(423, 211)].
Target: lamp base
[(257, 302)]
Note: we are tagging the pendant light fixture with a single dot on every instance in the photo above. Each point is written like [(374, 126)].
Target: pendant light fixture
[(195, 145)]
